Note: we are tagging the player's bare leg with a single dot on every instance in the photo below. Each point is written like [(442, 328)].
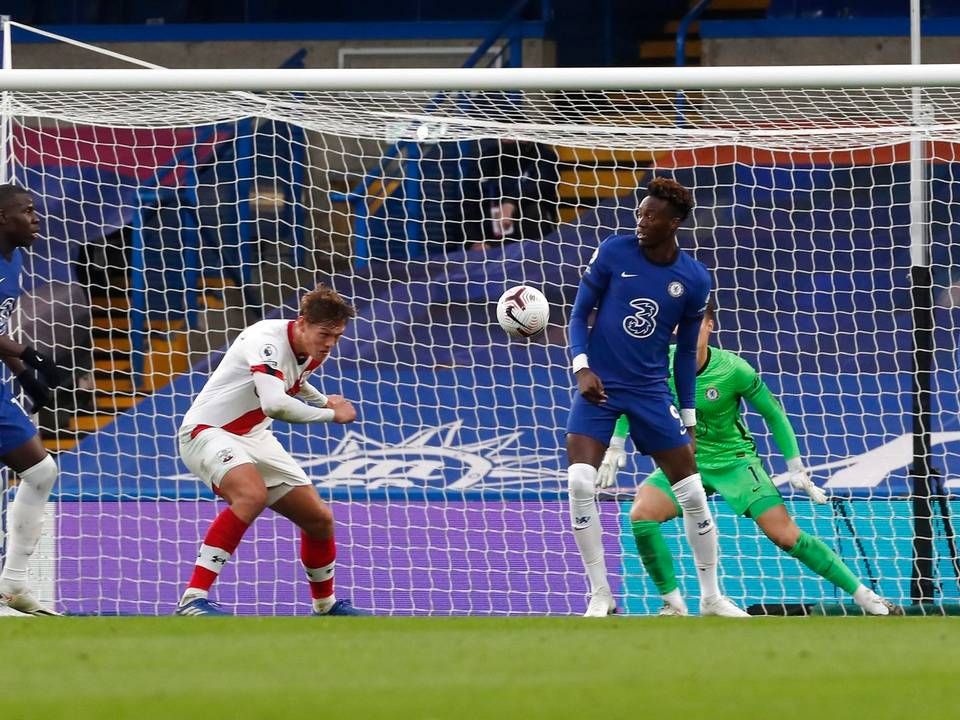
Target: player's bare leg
[(38, 473), (584, 454), (318, 550), (780, 527), (652, 507), (680, 467), (243, 488)]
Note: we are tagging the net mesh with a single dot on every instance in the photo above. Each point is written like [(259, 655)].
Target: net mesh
[(174, 219)]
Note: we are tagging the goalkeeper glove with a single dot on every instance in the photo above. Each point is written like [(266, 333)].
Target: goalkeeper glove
[(44, 365), (35, 389), (613, 459), (800, 480)]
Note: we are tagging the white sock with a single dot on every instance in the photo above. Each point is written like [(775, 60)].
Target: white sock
[(192, 594), (323, 605), (585, 517), (26, 520), (701, 532)]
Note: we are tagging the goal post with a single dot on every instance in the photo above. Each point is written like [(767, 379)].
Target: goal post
[(487, 79), (181, 205)]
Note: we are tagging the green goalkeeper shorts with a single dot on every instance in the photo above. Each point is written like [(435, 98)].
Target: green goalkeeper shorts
[(745, 487)]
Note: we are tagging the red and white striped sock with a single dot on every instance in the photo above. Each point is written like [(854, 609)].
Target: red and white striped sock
[(219, 544), (319, 558)]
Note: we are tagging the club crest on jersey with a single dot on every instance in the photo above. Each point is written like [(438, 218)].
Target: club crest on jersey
[(225, 455), (712, 393), (675, 289)]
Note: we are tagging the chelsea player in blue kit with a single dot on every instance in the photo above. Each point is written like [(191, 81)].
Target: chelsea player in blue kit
[(642, 286), (20, 446)]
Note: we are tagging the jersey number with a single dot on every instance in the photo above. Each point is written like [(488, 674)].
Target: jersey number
[(643, 322)]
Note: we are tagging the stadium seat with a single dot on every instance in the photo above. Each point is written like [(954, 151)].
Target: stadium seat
[(854, 8)]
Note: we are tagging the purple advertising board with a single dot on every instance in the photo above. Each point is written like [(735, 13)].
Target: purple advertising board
[(439, 558)]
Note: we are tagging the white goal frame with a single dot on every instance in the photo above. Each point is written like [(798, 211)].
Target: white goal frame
[(663, 80)]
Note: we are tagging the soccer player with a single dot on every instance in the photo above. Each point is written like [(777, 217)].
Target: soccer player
[(729, 464), (20, 446), (643, 286), (225, 440)]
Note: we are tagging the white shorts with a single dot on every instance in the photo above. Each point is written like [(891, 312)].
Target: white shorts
[(214, 452)]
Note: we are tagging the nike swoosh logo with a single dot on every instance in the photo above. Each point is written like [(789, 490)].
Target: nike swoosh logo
[(623, 274)]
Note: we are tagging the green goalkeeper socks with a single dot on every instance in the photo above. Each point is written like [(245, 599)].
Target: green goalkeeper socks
[(655, 555), (809, 550), (813, 553)]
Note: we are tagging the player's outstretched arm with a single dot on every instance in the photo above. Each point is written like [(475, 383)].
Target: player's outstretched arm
[(309, 394), (759, 397), (276, 404), (616, 455)]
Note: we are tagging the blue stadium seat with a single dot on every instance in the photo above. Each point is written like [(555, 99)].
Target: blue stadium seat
[(857, 8)]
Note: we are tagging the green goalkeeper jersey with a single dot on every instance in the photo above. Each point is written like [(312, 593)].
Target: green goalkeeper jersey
[(722, 436)]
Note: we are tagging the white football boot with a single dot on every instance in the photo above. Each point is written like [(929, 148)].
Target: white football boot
[(6, 611), (873, 604), (720, 606), (601, 604), (24, 601), (669, 610)]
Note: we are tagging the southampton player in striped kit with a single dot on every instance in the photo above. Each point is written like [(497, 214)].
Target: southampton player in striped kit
[(225, 440), (20, 447), (643, 286), (729, 465)]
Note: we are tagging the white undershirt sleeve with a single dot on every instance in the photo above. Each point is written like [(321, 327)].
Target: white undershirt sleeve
[(308, 393), (275, 402)]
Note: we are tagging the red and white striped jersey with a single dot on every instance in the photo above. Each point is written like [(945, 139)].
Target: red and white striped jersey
[(228, 400)]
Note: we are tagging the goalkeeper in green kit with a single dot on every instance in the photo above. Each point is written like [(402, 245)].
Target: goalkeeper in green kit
[(729, 465)]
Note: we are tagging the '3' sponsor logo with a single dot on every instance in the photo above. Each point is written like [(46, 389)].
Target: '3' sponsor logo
[(643, 322)]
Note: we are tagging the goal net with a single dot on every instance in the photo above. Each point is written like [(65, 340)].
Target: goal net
[(174, 218)]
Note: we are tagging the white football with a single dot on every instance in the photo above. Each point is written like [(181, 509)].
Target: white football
[(523, 311)]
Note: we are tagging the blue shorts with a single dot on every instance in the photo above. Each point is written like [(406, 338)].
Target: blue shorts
[(15, 427), (655, 423)]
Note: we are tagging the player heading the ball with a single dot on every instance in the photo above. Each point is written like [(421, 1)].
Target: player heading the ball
[(225, 440), (643, 286)]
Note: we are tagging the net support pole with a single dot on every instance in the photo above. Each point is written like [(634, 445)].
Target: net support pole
[(921, 579), (6, 136)]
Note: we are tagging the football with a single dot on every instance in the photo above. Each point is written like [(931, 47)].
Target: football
[(523, 311)]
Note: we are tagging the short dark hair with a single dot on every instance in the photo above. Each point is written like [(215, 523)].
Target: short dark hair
[(674, 193), (9, 191), (325, 305)]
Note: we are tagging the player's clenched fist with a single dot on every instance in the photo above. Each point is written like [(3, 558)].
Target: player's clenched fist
[(591, 386), (343, 410)]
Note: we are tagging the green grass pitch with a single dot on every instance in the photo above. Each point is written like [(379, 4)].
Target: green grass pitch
[(465, 668)]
